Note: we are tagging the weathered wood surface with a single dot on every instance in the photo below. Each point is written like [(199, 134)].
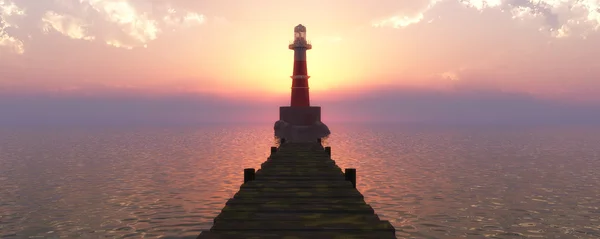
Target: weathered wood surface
[(299, 192)]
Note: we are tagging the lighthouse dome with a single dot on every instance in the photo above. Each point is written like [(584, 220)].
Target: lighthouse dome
[(300, 28)]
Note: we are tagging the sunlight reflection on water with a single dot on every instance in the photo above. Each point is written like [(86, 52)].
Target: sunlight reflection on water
[(429, 182)]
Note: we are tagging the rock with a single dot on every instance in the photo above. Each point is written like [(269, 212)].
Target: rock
[(301, 133)]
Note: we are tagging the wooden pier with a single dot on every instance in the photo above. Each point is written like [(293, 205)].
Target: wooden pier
[(299, 192)]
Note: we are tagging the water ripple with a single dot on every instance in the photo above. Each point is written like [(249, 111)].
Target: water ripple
[(429, 182)]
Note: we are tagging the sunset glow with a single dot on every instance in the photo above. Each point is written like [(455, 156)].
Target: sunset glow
[(238, 49)]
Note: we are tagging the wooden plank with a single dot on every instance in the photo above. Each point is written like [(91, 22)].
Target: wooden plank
[(304, 165), (300, 177), (300, 208), (248, 194), (308, 217), (295, 191), (296, 201), (300, 168), (297, 184), (324, 234), (317, 174), (315, 225)]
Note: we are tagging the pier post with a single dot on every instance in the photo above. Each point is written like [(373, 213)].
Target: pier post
[(350, 174), (273, 150), (249, 174), (328, 150)]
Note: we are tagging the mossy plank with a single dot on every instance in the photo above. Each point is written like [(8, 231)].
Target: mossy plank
[(307, 191), (290, 169), (337, 234), (299, 163), (298, 178), (298, 157), (300, 208), (272, 174), (308, 217), (303, 165), (341, 224), (317, 174), (301, 160), (253, 194), (313, 156), (297, 184), (281, 170), (275, 196), (297, 153), (300, 168), (295, 201)]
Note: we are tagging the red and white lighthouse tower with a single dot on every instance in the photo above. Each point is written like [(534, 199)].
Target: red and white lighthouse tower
[(300, 112), (300, 88), (300, 121)]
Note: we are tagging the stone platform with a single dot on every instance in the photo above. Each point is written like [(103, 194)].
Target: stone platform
[(303, 115)]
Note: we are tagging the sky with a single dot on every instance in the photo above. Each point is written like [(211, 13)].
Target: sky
[(185, 61)]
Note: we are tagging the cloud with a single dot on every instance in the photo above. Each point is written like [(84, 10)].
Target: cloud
[(67, 25), (406, 18), (561, 18), (399, 21), (449, 75), (119, 23), (187, 19), (7, 11), (410, 13)]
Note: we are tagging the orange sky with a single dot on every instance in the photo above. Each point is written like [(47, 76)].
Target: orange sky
[(235, 47)]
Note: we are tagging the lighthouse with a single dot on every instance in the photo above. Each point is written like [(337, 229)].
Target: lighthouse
[(300, 77), (300, 121)]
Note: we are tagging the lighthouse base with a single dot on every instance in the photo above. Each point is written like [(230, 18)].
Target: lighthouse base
[(300, 124), (300, 115)]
